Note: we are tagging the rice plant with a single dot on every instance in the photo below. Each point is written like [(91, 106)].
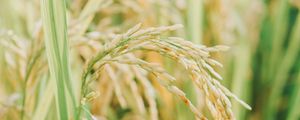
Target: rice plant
[(149, 59)]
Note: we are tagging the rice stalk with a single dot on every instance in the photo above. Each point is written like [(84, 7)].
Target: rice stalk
[(194, 20), (57, 49), (293, 113), (286, 64), (280, 26), (130, 90), (44, 105), (193, 58)]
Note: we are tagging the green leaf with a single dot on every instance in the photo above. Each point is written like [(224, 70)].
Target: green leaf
[(57, 49)]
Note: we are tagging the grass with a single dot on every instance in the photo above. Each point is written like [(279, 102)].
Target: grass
[(194, 20), (286, 64), (57, 49), (293, 112)]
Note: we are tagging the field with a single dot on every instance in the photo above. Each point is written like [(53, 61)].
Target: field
[(149, 60)]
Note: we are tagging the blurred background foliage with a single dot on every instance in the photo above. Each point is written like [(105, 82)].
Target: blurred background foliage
[(262, 67)]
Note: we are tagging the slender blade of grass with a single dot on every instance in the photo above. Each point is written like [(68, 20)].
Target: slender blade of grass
[(284, 68), (57, 48), (88, 14), (45, 102), (279, 32), (240, 80), (293, 112), (195, 12)]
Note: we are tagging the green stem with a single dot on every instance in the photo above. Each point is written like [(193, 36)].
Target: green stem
[(194, 20), (29, 66), (57, 46), (279, 32), (283, 70), (293, 112)]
